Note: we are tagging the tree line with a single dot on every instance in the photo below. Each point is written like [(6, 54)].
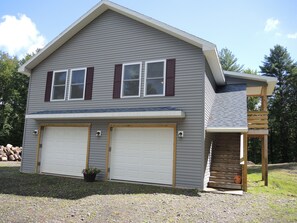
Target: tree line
[(282, 105)]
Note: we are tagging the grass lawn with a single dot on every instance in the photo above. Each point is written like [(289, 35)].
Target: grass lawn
[(282, 184)]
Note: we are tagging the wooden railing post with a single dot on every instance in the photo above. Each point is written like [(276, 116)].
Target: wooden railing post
[(245, 154)]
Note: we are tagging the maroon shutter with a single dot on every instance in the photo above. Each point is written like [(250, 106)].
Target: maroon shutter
[(89, 83), (48, 87), (170, 77), (117, 81)]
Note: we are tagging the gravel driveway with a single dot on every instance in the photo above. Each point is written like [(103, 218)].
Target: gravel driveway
[(141, 208)]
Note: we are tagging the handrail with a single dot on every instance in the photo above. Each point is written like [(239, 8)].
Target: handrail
[(257, 120)]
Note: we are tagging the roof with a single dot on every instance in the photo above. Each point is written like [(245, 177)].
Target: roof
[(105, 113), (208, 48), (229, 111), (270, 81)]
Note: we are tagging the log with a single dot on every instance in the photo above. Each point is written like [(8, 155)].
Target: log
[(3, 158), (8, 146), (11, 158)]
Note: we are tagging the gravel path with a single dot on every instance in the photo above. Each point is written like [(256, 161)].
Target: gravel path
[(208, 207)]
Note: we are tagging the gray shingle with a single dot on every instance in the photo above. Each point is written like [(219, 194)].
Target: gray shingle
[(229, 108)]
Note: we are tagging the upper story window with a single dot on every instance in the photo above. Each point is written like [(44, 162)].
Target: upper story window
[(77, 84), (154, 84), (131, 80), (59, 85)]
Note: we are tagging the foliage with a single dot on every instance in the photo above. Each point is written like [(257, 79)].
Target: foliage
[(282, 105), (229, 61), (13, 97), (91, 170)]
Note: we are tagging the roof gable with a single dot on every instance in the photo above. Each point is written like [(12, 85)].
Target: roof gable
[(208, 48)]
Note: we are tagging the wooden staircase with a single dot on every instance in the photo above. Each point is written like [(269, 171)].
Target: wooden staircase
[(225, 162)]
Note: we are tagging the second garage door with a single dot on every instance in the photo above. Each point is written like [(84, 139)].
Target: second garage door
[(64, 150), (142, 154)]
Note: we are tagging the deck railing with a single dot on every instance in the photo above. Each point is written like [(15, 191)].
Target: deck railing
[(258, 120)]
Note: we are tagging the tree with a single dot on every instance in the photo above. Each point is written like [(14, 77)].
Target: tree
[(13, 96), (229, 61), (282, 105)]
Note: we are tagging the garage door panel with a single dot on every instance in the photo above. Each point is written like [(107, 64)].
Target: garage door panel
[(142, 154), (64, 150)]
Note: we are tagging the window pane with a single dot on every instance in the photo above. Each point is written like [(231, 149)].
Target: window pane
[(77, 91), (59, 92), (60, 78), (155, 69), (131, 88), (78, 76), (131, 71), (154, 86)]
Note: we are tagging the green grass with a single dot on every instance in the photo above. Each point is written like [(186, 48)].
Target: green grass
[(281, 192), (282, 180), (14, 182)]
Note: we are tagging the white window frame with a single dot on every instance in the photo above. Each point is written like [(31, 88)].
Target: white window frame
[(164, 78), (122, 80), (53, 81), (69, 85)]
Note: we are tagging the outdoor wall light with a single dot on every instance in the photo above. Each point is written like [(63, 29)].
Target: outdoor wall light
[(35, 132), (180, 134), (98, 133)]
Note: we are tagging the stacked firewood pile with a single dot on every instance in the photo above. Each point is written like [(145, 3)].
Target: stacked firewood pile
[(10, 153)]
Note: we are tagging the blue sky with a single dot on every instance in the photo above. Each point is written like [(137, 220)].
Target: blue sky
[(248, 28)]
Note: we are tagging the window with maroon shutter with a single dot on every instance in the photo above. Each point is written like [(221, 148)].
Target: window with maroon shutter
[(89, 83), (48, 87), (170, 77), (117, 81)]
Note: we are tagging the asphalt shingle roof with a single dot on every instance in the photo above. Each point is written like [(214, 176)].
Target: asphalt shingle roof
[(229, 108)]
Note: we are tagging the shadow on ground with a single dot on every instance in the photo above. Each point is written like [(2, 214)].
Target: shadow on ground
[(291, 167), (14, 182)]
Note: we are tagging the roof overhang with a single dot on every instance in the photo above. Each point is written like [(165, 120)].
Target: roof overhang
[(109, 115), (270, 82), (226, 130), (208, 48)]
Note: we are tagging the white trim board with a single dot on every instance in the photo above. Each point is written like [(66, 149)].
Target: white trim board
[(110, 115), (227, 129)]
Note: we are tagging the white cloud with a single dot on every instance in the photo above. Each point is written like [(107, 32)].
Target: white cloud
[(292, 36), (19, 35), (271, 24)]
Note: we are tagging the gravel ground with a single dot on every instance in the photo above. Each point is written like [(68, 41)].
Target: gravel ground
[(208, 207), (156, 207)]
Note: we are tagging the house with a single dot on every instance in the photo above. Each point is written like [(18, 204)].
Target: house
[(141, 100)]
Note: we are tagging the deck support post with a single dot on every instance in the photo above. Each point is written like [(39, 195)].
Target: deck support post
[(245, 154), (265, 159), (262, 160)]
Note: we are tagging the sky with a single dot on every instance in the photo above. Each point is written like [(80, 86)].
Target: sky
[(249, 28)]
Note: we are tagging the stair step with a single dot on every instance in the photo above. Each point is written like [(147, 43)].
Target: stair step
[(223, 174), (226, 161), (224, 185), (222, 177), (225, 168), (222, 181), (227, 165)]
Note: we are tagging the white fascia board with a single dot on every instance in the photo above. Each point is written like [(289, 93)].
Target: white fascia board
[(270, 81), (110, 115), (227, 129), (94, 13), (215, 65)]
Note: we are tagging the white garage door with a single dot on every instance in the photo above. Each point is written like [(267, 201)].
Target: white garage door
[(142, 154), (64, 150)]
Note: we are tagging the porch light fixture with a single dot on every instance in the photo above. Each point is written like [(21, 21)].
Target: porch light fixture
[(35, 132), (180, 134), (98, 133)]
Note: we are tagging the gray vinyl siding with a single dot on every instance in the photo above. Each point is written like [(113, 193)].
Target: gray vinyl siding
[(210, 95), (209, 146), (112, 39)]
